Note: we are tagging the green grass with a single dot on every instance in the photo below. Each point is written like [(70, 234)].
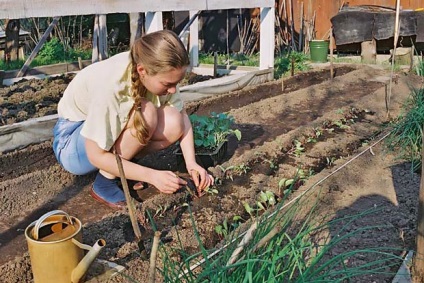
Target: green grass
[(52, 52), (236, 59)]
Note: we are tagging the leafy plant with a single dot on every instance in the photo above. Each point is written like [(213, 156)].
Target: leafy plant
[(282, 64), (210, 131), (406, 134)]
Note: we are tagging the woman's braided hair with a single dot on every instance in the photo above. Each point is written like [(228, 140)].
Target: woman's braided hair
[(158, 52)]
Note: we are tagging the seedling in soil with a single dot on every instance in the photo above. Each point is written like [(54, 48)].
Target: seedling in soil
[(160, 212), (211, 190), (248, 209), (330, 161), (339, 111), (341, 124), (224, 229), (298, 148), (286, 184), (266, 200), (232, 170), (315, 136), (272, 165)]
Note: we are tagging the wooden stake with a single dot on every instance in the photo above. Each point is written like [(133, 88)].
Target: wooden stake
[(331, 54), (301, 28), (37, 48), (246, 239), (396, 36), (153, 256), (131, 208), (419, 256)]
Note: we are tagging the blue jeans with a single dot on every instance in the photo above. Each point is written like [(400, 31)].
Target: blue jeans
[(69, 147)]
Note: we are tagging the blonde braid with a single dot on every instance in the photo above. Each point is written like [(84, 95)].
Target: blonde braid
[(158, 52), (138, 93)]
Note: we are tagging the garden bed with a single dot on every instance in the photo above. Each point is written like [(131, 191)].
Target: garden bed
[(277, 127)]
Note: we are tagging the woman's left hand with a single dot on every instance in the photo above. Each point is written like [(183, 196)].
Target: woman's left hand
[(200, 177)]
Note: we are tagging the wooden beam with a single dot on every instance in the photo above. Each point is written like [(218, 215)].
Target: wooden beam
[(154, 21), (19, 9), (37, 48), (194, 38), (267, 42)]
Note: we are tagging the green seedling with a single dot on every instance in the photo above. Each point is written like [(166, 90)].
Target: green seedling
[(298, 148), (314, 137), (248, 209), (160, 212), (285, 185), (266, 200), (232, 170), (341, 124), (330, 161), (211, 190), (272, 165), (222, 230)]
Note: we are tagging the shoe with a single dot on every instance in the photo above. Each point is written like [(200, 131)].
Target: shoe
[(107, 191), (115, 205)]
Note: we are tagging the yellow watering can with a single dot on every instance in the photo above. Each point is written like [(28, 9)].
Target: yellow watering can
[(56, 251)]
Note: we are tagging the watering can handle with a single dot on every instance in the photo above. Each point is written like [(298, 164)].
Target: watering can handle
[(44, 217)]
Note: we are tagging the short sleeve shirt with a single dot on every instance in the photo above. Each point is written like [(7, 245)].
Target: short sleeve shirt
[(100, 95)]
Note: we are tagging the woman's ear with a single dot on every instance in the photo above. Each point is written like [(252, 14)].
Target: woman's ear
[(141, 71)]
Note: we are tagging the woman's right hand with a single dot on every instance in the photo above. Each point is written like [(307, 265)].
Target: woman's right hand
[(167, 182)]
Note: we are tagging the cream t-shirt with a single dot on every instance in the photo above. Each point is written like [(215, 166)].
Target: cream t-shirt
[(100, 95)]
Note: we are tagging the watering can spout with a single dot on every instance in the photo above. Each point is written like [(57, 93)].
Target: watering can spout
[(85, 263)]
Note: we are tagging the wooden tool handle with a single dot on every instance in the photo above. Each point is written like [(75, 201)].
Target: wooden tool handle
[(130, 204)]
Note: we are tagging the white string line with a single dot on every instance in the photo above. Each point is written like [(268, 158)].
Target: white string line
[(200, 262)]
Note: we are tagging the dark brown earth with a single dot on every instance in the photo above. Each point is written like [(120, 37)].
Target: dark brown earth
[(349, 112)]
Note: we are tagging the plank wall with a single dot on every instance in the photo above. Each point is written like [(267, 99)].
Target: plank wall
[(326, 9)]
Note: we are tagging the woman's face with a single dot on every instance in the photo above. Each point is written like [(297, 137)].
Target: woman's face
[(162, 83)]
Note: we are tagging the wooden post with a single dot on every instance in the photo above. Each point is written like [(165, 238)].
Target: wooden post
[(1, 77), (301, 28), (11, 50), (331, 54), (99, 39), (419, 256), (215, 64), (369, 52), (396, 36), (37, 48), (80, 63), (136, 26), (293, 46)]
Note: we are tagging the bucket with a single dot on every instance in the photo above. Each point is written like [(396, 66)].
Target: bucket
[(319, 50), (55, 249)]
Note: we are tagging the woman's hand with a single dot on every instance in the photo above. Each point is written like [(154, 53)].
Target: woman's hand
[(200, 177), (167, 182)]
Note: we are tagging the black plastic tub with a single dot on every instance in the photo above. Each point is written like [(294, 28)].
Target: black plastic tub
[(204, 159)]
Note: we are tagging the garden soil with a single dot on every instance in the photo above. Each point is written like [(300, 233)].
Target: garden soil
[(336, 121)]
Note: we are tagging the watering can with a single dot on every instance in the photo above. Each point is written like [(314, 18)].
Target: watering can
[(56, 251)]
